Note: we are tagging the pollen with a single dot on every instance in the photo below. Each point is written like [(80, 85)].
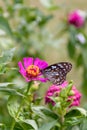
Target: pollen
[(32, 71)]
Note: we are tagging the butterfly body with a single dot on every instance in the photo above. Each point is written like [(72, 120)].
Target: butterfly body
[(56, 73)]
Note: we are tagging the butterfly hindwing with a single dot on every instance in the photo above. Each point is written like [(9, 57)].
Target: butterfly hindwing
[(56, 73)]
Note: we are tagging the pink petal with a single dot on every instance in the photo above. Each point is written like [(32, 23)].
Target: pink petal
[(41, 79), (21, 68), (64, 84), (40, 63), (22, 71), (27, 61)]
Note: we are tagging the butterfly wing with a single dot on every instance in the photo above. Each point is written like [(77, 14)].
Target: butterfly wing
[(56, 73)]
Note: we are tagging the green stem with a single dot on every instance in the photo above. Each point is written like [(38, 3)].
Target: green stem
[(13, 124), (22, 102), (62, 121)]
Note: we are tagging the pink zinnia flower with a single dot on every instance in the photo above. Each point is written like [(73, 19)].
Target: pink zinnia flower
[(55, 90), (30, 69), (77, 18)]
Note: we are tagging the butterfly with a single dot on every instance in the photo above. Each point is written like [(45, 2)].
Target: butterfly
[(56, 73)]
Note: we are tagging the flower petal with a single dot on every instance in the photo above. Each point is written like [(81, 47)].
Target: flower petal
[(27, 61), (42, 79), (39, 79), (22, 71), (21, 68), (40, 63), (64, 84), (56, 90)]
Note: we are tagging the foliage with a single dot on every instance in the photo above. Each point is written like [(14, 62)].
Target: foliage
[(24, 33), (77, 46)]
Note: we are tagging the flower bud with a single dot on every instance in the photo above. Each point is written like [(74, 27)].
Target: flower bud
[(74, 94)]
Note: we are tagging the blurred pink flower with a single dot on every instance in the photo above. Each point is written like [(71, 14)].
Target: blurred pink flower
[(30, 69), (54, 90), (77, 18)]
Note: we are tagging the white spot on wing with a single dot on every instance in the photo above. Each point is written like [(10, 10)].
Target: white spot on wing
[(53, 67)]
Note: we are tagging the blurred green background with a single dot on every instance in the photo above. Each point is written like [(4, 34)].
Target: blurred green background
[(44, 38), (35, 28)]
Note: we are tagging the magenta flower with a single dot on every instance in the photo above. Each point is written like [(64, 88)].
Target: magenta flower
[(77, 18), (30, 69), (55, 90)]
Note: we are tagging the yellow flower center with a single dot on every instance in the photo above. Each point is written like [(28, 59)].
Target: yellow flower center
[(32, 70)]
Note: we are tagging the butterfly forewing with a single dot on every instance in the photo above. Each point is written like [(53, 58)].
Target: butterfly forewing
[(56, 73)]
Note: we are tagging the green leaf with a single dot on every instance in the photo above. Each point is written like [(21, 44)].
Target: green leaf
[(82, 111), (5, 25), (72, 121), (71, 50), (83, 125), (3, 68), (44, 112), (75, 116), (72, 42), (10, 91), (69, 87), (7, 56), (79, 60), (76, 111), (65, 91), (76, 127), (84, 84), (73, 33), (31, 123), (84, 56), (2, 126), (48, 126), (13, 106), (5, 84)]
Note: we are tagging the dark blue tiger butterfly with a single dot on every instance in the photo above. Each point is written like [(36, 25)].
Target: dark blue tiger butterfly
[(56, 73)]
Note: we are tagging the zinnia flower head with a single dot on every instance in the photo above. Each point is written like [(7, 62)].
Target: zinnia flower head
[(77, 18), (30, 69), (55, 90)]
